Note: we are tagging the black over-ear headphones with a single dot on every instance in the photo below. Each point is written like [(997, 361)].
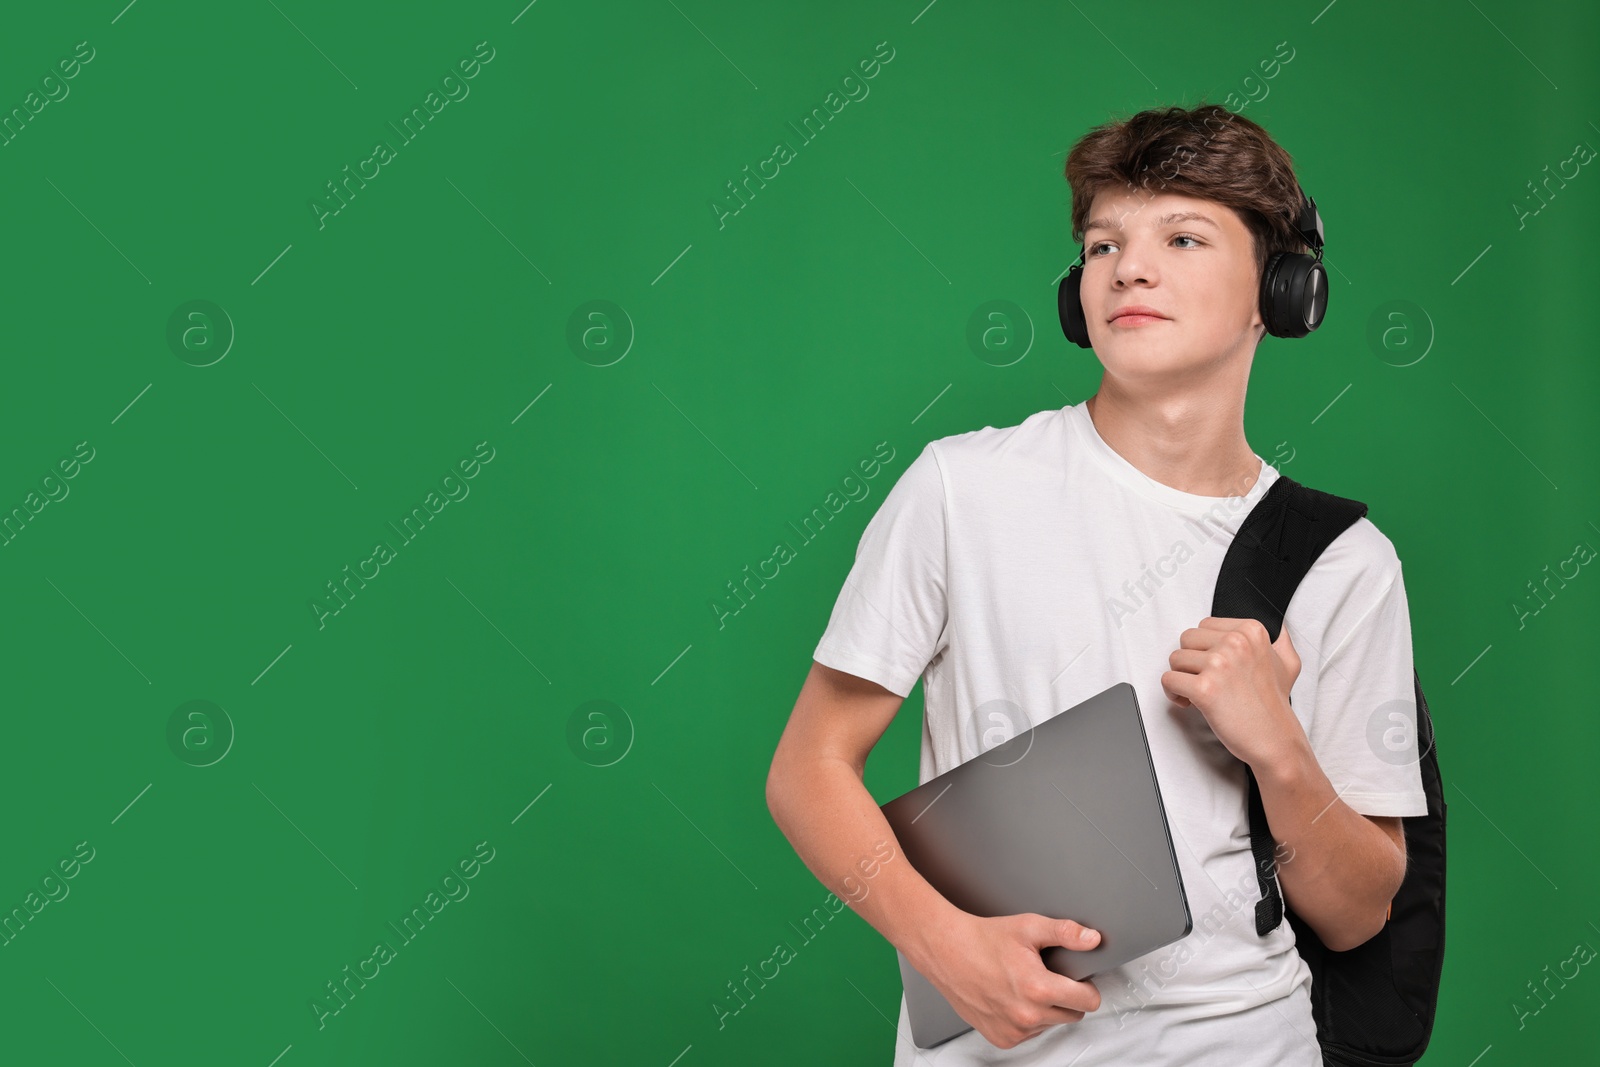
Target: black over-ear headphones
[(1294, 286)]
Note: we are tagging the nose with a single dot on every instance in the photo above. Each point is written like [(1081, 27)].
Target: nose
[(1131, 269)]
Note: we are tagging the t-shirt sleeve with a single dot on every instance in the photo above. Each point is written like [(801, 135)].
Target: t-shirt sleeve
[(1364, 729), (890, 617)]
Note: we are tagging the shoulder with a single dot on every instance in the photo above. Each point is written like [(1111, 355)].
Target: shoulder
[(1030, 445), (1365, 550), (1354, 574)]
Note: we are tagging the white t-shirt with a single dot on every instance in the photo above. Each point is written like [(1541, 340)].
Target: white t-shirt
[(1018, 571)]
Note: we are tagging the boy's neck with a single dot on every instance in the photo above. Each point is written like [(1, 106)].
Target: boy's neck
[(1192, 443)]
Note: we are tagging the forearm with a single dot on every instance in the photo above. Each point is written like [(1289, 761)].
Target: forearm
[(1337, 870), (839, 832)]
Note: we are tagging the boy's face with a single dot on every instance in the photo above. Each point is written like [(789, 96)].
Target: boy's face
[(1201, 275)]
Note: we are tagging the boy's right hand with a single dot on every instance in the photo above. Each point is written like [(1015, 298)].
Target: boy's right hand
[(990, 971)]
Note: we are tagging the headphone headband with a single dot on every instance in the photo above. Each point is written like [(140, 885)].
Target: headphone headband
[(1309, 224)]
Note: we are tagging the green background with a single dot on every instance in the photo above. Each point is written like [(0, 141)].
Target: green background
[(636, 869)]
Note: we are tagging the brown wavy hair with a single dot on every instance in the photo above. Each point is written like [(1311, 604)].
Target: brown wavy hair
[(1207, 152)]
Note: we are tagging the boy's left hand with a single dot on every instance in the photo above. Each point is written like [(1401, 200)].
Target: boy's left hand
[(1240, 681)]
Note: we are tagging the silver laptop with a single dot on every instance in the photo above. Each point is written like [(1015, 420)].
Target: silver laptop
[(1064, 820)]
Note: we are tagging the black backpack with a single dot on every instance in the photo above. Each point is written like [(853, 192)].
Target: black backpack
[(1374, 1005)]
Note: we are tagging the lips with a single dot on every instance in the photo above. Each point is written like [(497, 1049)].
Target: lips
[(1136, 309)]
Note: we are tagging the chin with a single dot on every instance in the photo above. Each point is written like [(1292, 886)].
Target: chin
[(1133, 360)]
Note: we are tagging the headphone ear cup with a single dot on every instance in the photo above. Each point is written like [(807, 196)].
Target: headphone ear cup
[(1069, 303), (1294, 294)]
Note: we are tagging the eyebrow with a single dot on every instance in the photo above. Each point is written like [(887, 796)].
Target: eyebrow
[(1165, 220)]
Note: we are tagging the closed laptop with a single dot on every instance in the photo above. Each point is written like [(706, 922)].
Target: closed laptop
[(1064, 820)]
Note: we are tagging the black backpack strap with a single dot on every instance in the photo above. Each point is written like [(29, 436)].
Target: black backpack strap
[(1274, 549)]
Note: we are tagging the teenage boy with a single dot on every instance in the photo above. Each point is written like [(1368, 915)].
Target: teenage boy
[(1020, 570)]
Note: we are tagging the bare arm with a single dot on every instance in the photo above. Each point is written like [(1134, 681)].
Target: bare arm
[(817, 796), (1342, 868)]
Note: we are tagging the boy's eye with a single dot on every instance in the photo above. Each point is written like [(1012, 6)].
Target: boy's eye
[(1094, 249)]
